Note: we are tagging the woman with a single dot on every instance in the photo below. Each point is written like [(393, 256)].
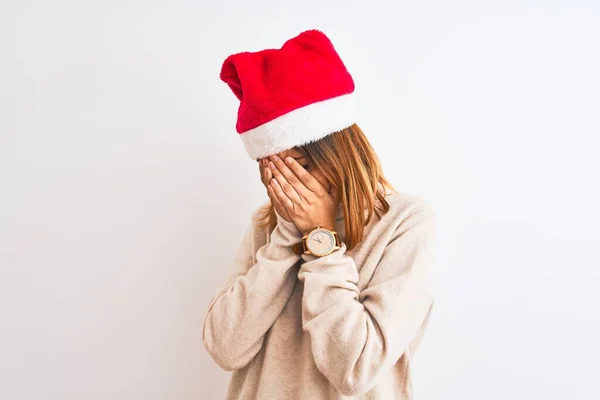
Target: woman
[(302, 315)]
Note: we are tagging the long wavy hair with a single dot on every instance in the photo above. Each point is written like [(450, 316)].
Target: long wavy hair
[(349, 162)]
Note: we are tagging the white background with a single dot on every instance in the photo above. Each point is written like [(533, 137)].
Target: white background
[(124, 188)]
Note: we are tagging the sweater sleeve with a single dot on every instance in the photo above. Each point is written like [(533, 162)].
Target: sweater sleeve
[(254, 294), (356, 336)]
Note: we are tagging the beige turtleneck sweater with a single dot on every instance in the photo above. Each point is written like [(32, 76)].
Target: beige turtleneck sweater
[(342, 326)]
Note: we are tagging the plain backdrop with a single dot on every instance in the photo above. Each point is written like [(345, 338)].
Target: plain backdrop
[(124, 188)]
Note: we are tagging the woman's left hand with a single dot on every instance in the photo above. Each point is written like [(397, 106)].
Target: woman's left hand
[(307, 202)]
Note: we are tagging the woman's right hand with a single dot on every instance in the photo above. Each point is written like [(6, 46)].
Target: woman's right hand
[(265, 176)]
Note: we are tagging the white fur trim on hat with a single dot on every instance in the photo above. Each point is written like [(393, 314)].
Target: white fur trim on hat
[(301, 126)]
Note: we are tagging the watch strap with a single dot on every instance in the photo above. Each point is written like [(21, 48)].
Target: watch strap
[(298, 248)]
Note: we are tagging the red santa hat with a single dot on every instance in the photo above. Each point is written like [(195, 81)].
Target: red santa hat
[(290, 96)]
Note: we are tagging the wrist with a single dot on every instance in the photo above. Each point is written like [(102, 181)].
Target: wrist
[(287, 228)]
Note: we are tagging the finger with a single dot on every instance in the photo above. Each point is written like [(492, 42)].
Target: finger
[(285, 186), (268, 176), (272, 191), (274, 200), (281, 195), (292, 176), (272, 196), (307, 182)]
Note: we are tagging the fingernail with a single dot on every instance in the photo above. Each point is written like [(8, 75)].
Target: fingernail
[(288, 160), (271, 165)]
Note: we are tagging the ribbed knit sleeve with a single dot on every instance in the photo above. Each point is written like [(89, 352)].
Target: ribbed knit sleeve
[(254, 294), (356, 336)]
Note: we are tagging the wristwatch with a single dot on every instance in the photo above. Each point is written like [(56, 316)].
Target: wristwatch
[(319, 242)]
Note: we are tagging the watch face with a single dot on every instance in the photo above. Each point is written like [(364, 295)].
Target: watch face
[(320, 242)]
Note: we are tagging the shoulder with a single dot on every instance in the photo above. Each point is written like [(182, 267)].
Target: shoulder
[(259, 210), (254, 236), (257, 222), (409, 203), (410, 209)]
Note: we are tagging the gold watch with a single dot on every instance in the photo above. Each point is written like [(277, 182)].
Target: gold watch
[(320, 242)]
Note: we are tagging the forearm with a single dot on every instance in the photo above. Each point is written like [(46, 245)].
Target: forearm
[(242, 312), (355, 335)]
